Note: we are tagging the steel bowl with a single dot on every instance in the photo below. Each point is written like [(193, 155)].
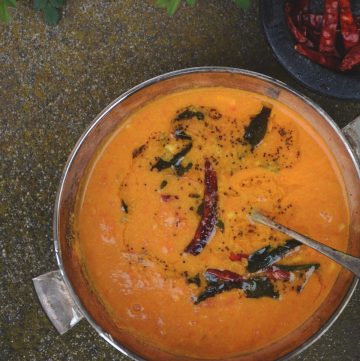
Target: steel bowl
[(65, 294)]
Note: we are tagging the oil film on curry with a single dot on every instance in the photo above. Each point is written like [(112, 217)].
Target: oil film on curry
[(163, 228)]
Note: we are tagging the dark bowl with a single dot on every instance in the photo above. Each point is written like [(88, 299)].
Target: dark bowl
[(313, 76)]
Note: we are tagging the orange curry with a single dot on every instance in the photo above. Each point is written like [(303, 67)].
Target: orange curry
[(164, 231)]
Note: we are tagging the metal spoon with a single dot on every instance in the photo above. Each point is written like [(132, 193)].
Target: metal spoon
[(350, 262)]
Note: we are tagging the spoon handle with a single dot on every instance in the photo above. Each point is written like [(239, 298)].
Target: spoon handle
[(346, 260)]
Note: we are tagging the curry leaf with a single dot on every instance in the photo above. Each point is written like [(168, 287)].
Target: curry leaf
[(180, 134), (259, 287), (267, 256), (57, 3), (189, 114), (163, 184), (297, 267), (200, 209), (194, 280), (254, 288), (174, 162), (244, 4), (124, 206), (4, 12), (181, 170), (51, 9), (256, 130), (220, 225), (52, 15), (39, 4), (172, 5), (11, 3)]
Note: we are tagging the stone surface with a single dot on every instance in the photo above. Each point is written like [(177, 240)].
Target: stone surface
[(53, 83)]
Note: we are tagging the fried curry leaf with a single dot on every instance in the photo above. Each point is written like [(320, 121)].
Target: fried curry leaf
[(215, 289), (174, 162), (163, 184), (220, 225), (194, 280), (180, 170), (180, 134), (139, 150), (253, 288), (259, 287), (297, 267), (267, 256), (200, 209), (188, 114), (161, 164), (124, 206), (256, 130)]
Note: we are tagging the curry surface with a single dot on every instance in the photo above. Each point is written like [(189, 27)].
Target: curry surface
[(133, 222)]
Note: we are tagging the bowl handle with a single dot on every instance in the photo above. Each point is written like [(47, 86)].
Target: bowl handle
[(352, 133), (56, 301)]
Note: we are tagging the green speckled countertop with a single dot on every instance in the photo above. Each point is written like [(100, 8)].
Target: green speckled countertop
[(53, 82)]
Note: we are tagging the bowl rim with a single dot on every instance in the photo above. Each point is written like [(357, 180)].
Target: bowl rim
[(119, 100)]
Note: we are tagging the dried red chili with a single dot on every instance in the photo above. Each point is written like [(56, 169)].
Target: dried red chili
[(349, 29), (206, 228), (237, 256), (327, 60), (295, 30), (275, 273), (312, 21), (316, 34), (328, 31), (351, 59), (214, 275), (313, 25), (302, 6)]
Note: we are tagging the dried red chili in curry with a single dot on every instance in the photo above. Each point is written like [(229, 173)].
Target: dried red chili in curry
[(206, 228)]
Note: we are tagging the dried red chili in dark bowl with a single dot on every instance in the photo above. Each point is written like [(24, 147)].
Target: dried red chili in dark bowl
[(317, 35), (297, 32), (349, 29), (321, 79), (327, 60), (351, 59), (329, 26)]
